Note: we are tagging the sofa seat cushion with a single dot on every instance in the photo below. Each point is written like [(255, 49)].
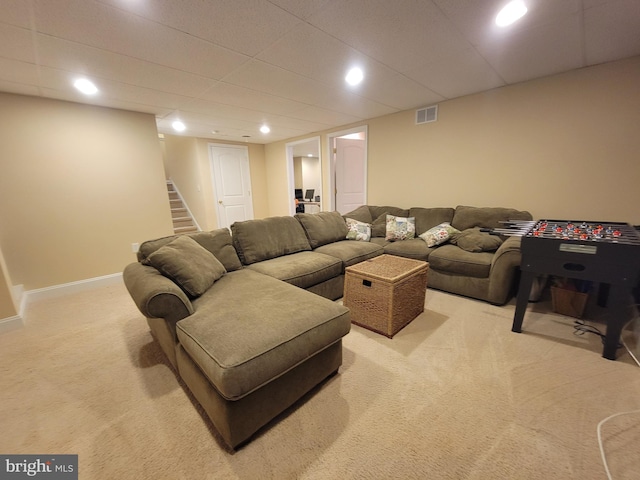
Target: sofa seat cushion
[(350, 252), (453, 259), (302, 269), (415, 248), (241, 345)]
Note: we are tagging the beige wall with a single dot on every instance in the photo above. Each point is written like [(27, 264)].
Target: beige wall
[(188, 165), (79, 185), (563, 147)]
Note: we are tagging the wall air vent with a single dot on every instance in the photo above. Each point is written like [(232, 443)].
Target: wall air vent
[(427, 115)]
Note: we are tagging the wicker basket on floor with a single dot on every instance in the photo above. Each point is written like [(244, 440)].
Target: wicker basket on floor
[(568, 302), (384, 294)]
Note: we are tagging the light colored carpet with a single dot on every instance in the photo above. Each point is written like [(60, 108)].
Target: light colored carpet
[(455, 395)]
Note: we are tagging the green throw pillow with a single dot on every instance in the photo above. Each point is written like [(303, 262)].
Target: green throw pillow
[(188, 264), (473, 240)]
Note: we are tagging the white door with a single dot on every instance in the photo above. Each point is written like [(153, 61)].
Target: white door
[(232, 181), (351, 174)]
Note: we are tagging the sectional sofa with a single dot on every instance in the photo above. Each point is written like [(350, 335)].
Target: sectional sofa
[(248, 319)]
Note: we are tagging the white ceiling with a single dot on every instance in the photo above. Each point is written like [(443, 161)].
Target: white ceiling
[(232, 65)]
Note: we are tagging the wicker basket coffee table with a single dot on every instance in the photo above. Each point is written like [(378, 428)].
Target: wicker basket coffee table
[(386, 293)]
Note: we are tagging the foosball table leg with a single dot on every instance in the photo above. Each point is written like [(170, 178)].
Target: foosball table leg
[(524, 291), (619, 297)]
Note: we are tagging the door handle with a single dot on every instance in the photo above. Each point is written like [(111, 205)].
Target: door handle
[(220, 202)]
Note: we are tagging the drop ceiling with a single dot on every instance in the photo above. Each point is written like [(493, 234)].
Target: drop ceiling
[(226, 67)]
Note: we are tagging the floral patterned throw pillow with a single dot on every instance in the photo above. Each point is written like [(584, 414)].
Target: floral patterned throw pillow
[(358, 230), (438, 234), (400, 228)]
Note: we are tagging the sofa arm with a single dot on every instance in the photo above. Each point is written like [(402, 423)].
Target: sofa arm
[(504, 266), (155, 295)]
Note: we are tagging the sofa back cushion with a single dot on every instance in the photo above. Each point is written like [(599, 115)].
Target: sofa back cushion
[(217, 242), (258, 240), (379, 216), (427, 218), (322, 228), (485, 217), (361, 214)]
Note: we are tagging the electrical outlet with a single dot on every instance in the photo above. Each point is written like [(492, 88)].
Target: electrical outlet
[(135, 247)]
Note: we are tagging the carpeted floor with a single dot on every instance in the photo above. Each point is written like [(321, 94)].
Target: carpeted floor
[(455, 395)]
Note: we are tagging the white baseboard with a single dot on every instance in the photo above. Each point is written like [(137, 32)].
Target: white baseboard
[(11, 323), (72, 287), (23, 297)]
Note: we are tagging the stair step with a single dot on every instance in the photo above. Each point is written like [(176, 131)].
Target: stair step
[(182, 220), (183, 223), (185, 229)]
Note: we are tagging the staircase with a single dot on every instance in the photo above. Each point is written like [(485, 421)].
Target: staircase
[(182, 220)]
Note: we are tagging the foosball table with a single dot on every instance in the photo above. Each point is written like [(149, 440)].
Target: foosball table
[(603, 252)]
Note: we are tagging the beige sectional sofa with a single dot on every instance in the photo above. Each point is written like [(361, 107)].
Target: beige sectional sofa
[(248, 319)]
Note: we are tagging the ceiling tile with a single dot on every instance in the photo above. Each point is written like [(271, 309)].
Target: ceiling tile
[(16, 43), (230, 94), (612, 31), (16, 12), (399, 34), (91, 61), (262, 77), (312, 53), (19, 72), (303, 8), (353, 104), (62, 80), (537, 51), (121, 32), (324, 116), (245, 26), (396, 90), (465, 73)]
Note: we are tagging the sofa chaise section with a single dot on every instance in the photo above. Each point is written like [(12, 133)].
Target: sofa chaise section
[(249, 345)]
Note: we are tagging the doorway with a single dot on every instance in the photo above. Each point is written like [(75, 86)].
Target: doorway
[(304, 172), (232, 183), (348, 169)]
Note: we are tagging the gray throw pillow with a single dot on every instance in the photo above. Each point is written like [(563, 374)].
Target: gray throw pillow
[(188, 264)]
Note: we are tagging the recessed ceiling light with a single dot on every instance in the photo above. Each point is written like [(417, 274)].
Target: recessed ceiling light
[(354, 76), (511, 12), (178, 126), (309, 154), (265, 129), (85, 86)]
